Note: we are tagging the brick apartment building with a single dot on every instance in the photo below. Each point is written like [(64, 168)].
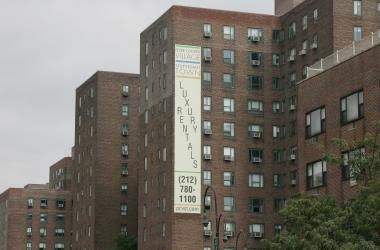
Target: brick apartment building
[(227, 93), (105, 160), (252, 123), (35, 217), (60, 174)]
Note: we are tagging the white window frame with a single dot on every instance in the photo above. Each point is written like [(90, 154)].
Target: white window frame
[(256, 180)]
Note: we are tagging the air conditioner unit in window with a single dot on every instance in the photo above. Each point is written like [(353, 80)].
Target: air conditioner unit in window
[(207, 58), (256, 160), (207, 34), (292, 107), (207, 233), (207, 156), (124, 172), (228, 158), (257, 234), (303, 52), (256, 135), (254, 39), (255, 62), (291, 59), (229, 234), (60, 205), (125, 93), (124, 153), (292, 157), (207, 132), (124, 132), (314, 46), (293, 182)]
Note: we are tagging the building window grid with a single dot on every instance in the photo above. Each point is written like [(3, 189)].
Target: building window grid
[(228, 179), (228, 81), (315, 122), (229, 105), (352, 107), (229, 129), (256, 180), (357, 7), (229, 32), (229, 56)]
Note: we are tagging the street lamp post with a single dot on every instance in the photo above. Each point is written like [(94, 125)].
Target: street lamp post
[(237, 238), (217, 217)]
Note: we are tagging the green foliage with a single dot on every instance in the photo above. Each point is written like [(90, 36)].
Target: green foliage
[(126, 243)]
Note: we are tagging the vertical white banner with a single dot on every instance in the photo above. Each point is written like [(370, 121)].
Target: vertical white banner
[(187, 129)]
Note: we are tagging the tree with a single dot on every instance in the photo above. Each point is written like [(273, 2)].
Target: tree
[(318, 223), (124, 242)]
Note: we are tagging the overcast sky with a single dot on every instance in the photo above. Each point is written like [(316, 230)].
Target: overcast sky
[(47, 49)]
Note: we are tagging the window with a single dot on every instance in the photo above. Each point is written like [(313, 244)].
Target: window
[(61, 204), (163, 230), (42, 246), (44, 203), (256, 180), (358, 33), (315, 15), (304, 71), (124, 110), (315, 122), (43, 217), (229, 204), (304, 23), (255, 155), (208, 202), (229, 229), (255, 107), (278, 155), (29, 231), (228, 105), (43, 232), (207, 54), (206, 103), (207, 152), (378, 6), (277, 229), (124, 149), (146, 48), (357, 7), (256, 205), (349, 158), (228, 179), (29, 216), (316, 174), (352, 107), (278, 205), (207, 178), (59, 232), (59, 246), (255, 131), (165, 57), (146, 71), (292, 128), (228, 81), (60, 217), (275, 59), (279, 180), (256, 230), (229, 32), (123, 209), (229, 153), (207, 127), (207, 78), (29, 246), (304, 47), (278, 131), (229, 129), (292, 79), (292, 30), (124, 169), (207, 30), (164, 153), (124, 188), (292, 54), (30, 203), (277, 35), (278, 107), (228, 56), (276, 83), (255, 82), (256, 59), (255, 35), (124, 129)]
